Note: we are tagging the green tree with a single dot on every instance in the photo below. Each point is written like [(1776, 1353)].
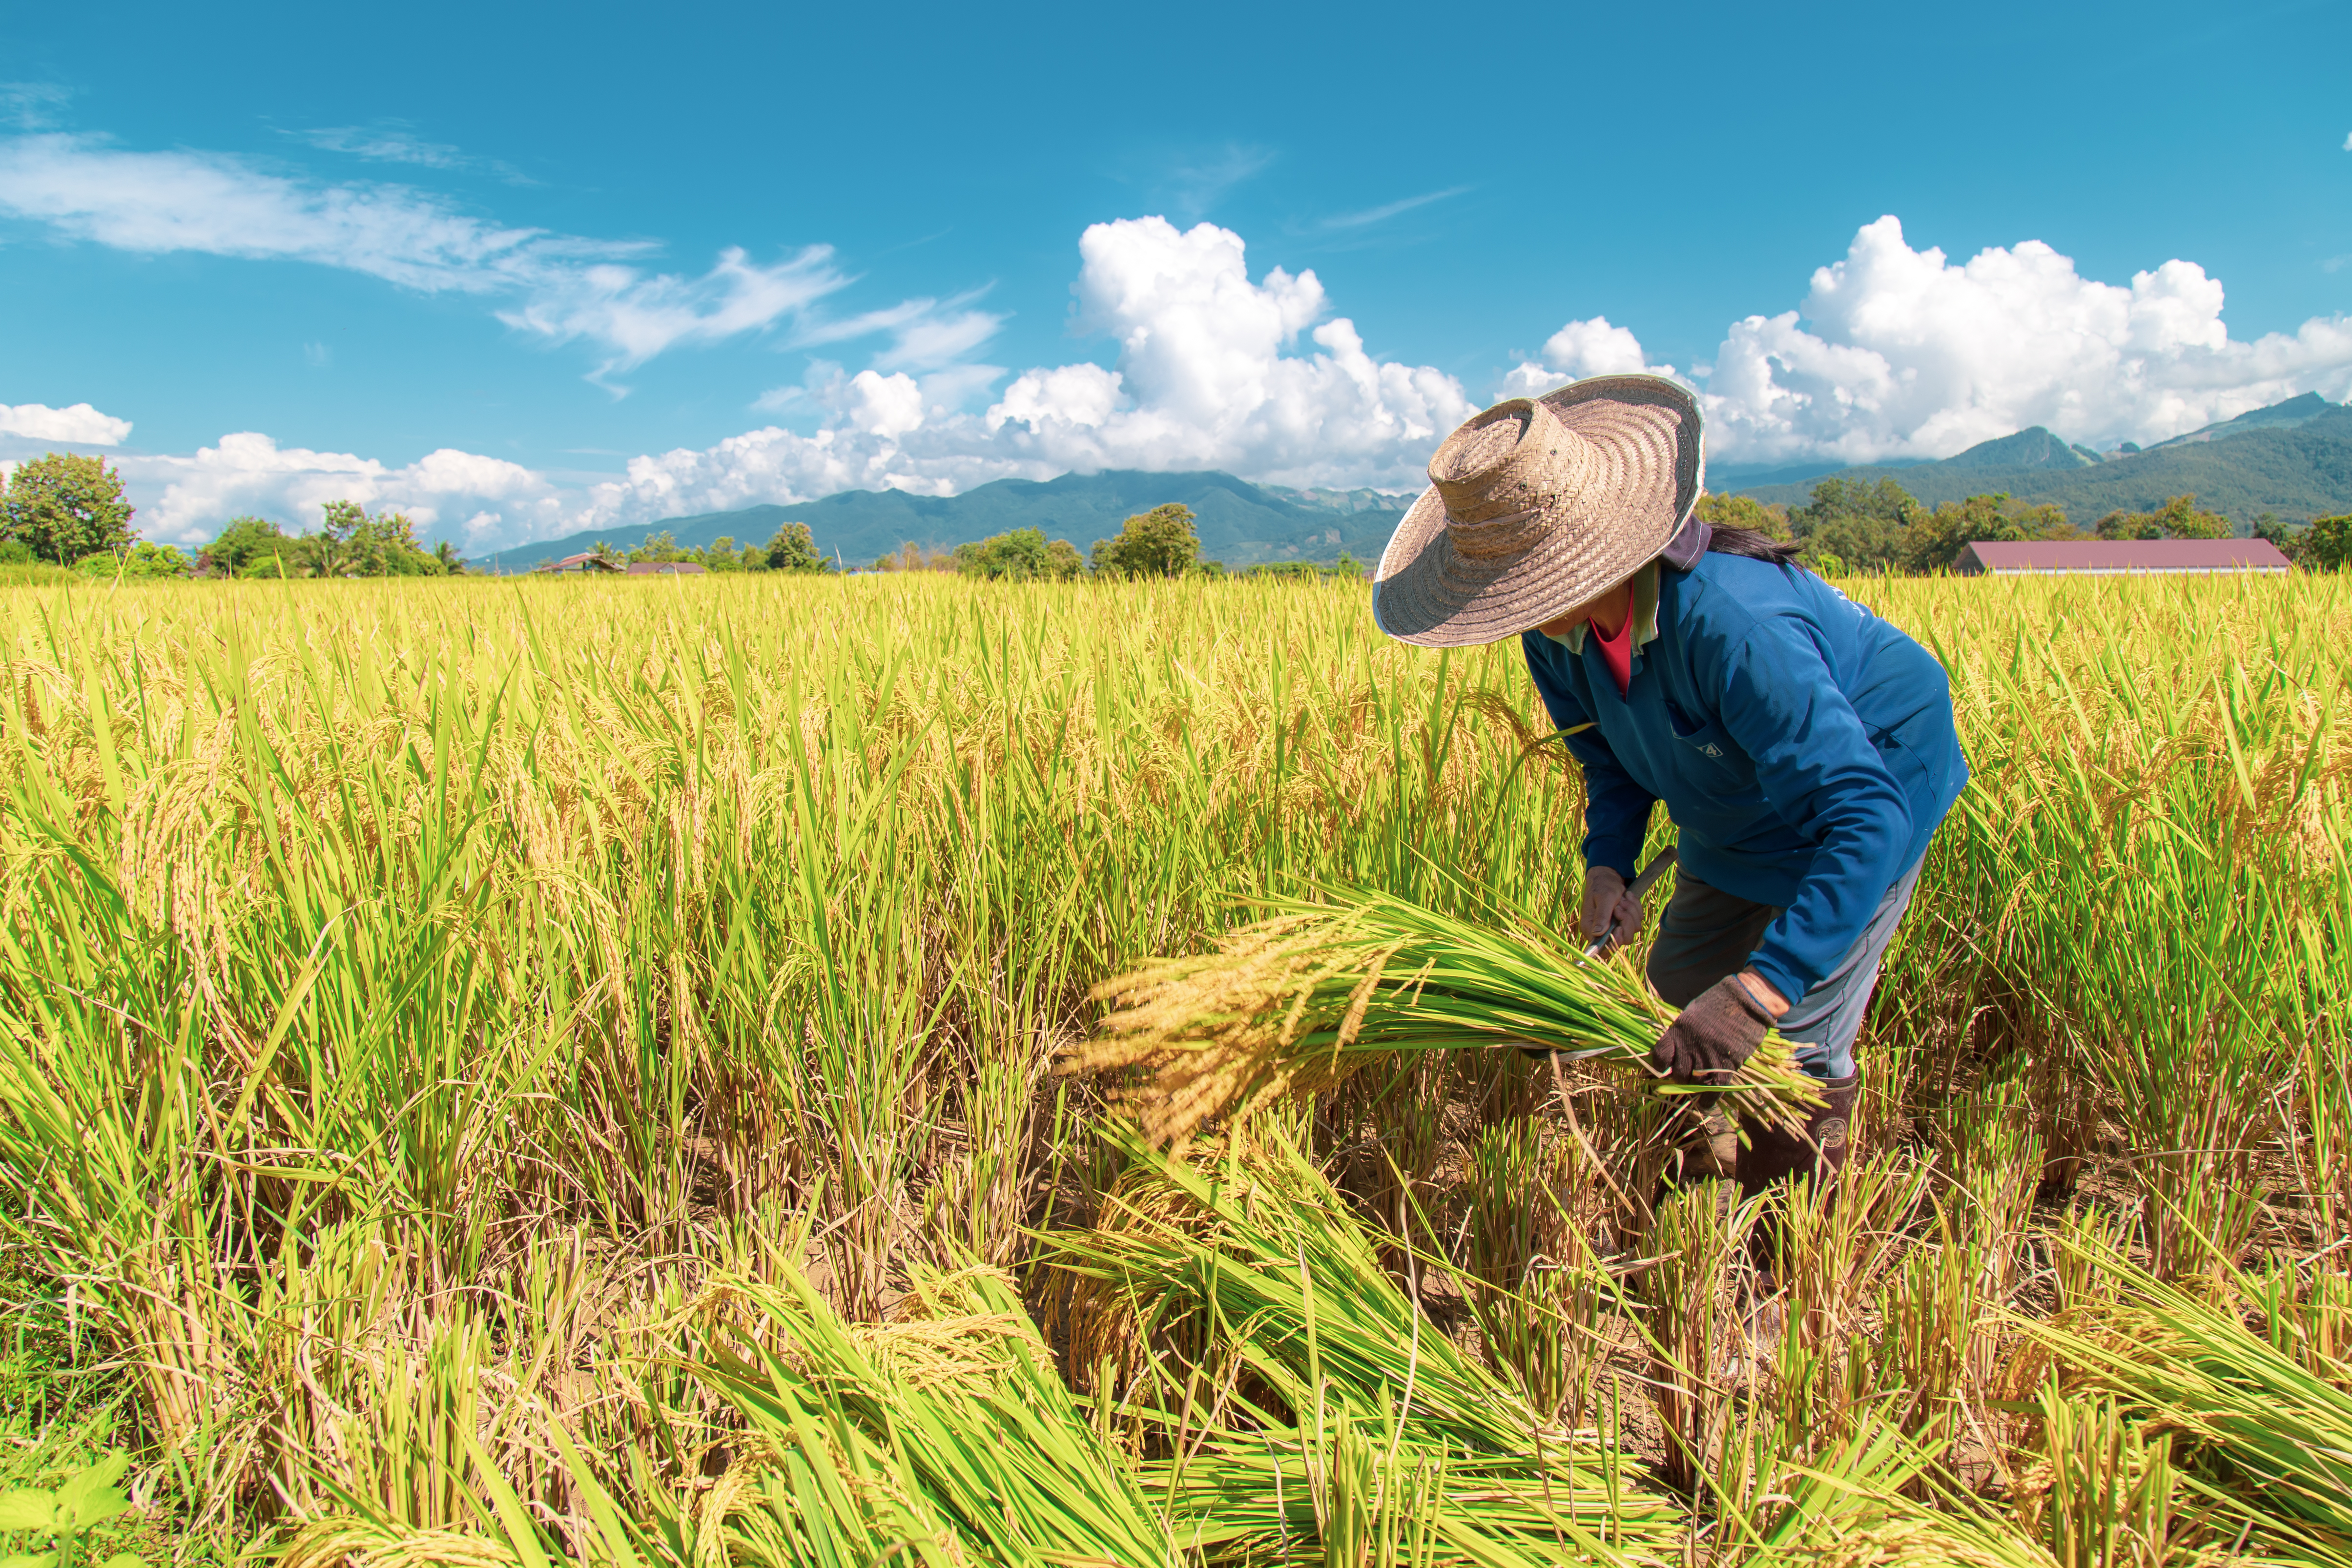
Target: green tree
[(1161, 542), (1063, 560), (62, 507), (354, 543), (1021, 554), (791, 548), (911, 557), (722, 555), (2290, 537), (1743, 511), (302, 557), (336, 551), (662, 546), (389, 547), (241, 540), (2176, 519), (1835, 497), (2327, 545), (1934, 540), (452, 563), (1860, 526), (137, 561)]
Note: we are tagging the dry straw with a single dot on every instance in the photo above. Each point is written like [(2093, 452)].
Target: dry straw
[(1300, 1001)]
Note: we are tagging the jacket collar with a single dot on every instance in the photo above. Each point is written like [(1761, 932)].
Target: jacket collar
[(1682, 553)]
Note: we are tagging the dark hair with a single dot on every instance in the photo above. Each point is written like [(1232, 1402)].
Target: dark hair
[(1754, 545)]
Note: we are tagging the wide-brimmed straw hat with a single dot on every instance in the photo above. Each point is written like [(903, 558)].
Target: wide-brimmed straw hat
[(1538, 505)]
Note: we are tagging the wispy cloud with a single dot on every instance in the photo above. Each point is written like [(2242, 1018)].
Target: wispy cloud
[(1196, 186), (1370, 215), (562, 287), (83, 188), (637, 316), (2347, 143), (394, 141), (926, 334), (32, 105), (845, 329)]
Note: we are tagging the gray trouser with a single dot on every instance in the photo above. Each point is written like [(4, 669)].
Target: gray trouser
[(1708, 933)]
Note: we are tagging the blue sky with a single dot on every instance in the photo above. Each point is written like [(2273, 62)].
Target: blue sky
[(474, 260)]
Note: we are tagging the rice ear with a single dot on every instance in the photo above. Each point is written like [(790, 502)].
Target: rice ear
[(1352, 1025), (1300, 1000)]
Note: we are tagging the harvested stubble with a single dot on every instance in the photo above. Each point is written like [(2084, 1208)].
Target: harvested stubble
[(411, 994), (1301, 1002)]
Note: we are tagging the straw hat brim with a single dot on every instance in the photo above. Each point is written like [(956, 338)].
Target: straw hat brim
[(1645, 433)]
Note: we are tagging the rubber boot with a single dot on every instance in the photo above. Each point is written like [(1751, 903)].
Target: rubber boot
[(1818, 1151), (1704, 1146)]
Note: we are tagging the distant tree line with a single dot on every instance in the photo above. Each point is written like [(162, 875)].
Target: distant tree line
[(791, 548), (1852, 526), (2323, 545), (350, 542), (66, 511), (61, 510), (1160, 543)]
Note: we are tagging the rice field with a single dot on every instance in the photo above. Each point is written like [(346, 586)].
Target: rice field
[(596, 1072)]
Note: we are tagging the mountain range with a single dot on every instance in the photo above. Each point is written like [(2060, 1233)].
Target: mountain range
[(1240, 523), (2293, 459)]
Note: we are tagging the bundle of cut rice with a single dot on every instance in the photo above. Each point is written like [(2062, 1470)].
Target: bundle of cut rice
[(1300, 1001)]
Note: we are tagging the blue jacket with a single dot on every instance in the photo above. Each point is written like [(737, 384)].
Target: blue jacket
[(1803, 747)]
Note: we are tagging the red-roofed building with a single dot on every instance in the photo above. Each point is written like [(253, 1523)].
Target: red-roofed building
[(666, 569), (2120, 557), (588, 561)]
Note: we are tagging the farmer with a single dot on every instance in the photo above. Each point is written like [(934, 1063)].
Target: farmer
[(1803, 747)]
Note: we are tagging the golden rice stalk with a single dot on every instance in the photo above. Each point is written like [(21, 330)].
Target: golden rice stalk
[(1300, 1001)]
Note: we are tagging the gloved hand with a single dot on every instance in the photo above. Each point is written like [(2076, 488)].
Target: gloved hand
[(1709, 1039), (1610, 912)]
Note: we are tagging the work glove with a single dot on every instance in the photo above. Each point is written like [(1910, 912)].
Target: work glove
[(1611, 915), (1709, 1039)]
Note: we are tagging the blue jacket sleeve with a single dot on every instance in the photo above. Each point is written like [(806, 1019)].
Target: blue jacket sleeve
[(1616, 809), (1815, 763)]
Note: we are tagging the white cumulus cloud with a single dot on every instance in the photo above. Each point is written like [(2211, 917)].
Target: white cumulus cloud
[(474, 500), (1894, 352), (1202, 378), (1205, 376), (79, 424), (1903, 353), (1579, 349)]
